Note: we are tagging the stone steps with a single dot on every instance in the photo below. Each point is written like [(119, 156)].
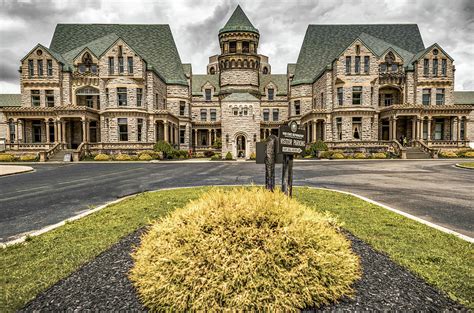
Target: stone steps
[(417, 153), (59, 156)]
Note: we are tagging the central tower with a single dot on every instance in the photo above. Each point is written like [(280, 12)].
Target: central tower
[(239, 62)]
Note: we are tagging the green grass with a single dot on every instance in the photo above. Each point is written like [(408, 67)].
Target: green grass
[(466, 164), (443, 260)]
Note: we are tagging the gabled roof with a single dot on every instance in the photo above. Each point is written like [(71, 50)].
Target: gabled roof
[(464, 97), (280, 81), (422, 53), (380, 47), (97, 47), (197, 81), (323, 43), (153, 42), (240, 97), (238, 22), (10, 100), (54, 54)]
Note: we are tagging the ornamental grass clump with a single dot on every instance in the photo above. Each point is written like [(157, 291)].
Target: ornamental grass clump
[(244, 249)]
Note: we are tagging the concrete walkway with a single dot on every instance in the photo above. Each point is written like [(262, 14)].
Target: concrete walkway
[(14, 169)]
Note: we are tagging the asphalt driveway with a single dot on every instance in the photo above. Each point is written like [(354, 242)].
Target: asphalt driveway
[(433, 190)]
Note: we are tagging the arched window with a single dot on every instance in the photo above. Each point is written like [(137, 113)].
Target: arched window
[(227, 64), (212, 71), (246, 63), (232, 64), (265, 70)]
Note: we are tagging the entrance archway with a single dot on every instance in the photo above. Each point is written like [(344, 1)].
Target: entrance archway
[(241, 146)]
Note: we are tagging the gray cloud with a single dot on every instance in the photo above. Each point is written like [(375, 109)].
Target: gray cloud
[(195, 24)]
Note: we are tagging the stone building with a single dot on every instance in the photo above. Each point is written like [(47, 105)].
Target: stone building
[(120, 88)]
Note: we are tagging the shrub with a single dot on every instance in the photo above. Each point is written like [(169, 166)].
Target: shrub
[(165, 148), (337, 155), (243, 250), (360, 155), (216, 157), (253, 156), (208, 153), (318, 146), (123, 157), (448, 154), (28, 158), (6, 157), (228, 156), (379, 155), (198, 155), (325, 154), (101, 157), (217, 143), (154, 154), (469, 154), (145, 157)]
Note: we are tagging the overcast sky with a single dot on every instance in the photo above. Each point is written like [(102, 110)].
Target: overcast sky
[(195, 24)]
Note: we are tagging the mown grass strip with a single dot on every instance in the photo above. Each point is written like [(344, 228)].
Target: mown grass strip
[(443, 260), (469, 165)]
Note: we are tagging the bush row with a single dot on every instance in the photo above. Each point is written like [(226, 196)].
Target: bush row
[(7, 157), (466, 153), (337, 154)]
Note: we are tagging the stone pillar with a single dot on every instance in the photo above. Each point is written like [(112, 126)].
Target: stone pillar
[(394, 128), (165, 131), (17, 137), (46, 123), (419, 129), (195, 138), (458, 133), (466, 131), (315, 125), (84, 131), (63, 131), (413, 128), (176, 134), (209, 137), (429, 128), (55, 125), (324, 130)]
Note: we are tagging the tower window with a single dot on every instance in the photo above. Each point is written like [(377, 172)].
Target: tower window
[(366, 64), (232, 46), (50, 67), (212, 71), (111, 65), (245, 47), (130, 65), (120, 64), (40, 67), (426, 67), (182, 107), (265, 70)]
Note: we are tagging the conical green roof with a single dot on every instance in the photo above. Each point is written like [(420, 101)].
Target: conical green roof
[(238, 22)]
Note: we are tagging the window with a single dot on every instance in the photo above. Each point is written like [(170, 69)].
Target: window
[(245, 47), (122, 96), (322, 99), (245, 111), (356, 127), (435, 67), (426, 99), (49, 67), (49, 98), (440, 96), (266, 115), (120, 64), (106, 96), (357, 95), (366, 64), (36, 125), (82, 68), (35, 98), (357, 64), (213, 115), (130, 65), (111, 65), (182, 107), (271, 92), (348, 65), (139, 129), (203, 115), (120, 50), (40, 67), (340, 95), (122, 129), (208, 94), (394, 68), (426, 67), (182, 133), (31, 69), (443, 67), (11, 127), (139, 97), (89, 101), (232, 46), (235, 111), (339, 128), (383, 67), (388, 99), (94, 68), (357, 49), (276, 114), (297, 107)]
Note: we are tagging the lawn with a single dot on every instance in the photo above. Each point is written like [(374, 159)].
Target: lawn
[(443, 260), (466, 165)]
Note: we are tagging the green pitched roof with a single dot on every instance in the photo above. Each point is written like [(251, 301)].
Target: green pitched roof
[(238, 22), (464, 97), (324, 43), (197, 81), (153, 42), (280, 80), (97, 47), (379, 47), (10, 100), (240, 97)]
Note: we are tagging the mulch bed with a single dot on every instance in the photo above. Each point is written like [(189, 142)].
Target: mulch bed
[(102, 285)]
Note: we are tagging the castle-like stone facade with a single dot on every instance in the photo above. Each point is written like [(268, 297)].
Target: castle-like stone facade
[(121, 88)]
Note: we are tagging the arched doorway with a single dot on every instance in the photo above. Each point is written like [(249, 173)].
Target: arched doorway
[(241, 146)]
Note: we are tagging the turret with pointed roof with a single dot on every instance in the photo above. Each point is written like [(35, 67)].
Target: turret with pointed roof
[(238, 22)]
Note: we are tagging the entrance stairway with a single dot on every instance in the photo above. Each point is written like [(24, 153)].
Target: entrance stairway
[(417, 153), (59, 156)]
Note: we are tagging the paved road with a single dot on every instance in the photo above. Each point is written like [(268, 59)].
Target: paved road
[(433, 190)]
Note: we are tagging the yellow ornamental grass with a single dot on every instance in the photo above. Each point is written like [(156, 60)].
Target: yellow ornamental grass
[(5, 157), (245, 249), (469, 154), (101, 157)]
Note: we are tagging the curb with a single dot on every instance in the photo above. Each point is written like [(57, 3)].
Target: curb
[(84, 214), (26, 169), (459, 165)]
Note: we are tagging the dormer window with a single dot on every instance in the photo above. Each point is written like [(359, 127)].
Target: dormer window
[(208, 94), (87, 65), (271, 93)]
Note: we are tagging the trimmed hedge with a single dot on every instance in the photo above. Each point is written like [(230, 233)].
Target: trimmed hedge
[(28, 158), (6, 157), (123, 157), (228, 156), (102, 157), (379, 155), (145, 157)]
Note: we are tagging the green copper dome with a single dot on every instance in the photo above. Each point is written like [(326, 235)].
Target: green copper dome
[(238, 22)]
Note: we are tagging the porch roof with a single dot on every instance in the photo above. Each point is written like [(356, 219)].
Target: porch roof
[(10, 100)]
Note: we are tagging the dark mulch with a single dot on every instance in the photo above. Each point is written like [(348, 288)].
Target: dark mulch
[(102, 285)]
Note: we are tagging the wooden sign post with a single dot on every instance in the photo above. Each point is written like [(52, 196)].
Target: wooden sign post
[(291, 141)]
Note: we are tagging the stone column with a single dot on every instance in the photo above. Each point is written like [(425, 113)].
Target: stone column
[(209, 137), (429, 128), (84, 131), (46, 125), (315, 125), (413, 128), (466, 131), (165, 131), (17, 137), (63, 131), (176, 134), (324, 130), (419, 129), (55, 125), (394, 128), (59, 131), (195, 137), (458, 133)]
